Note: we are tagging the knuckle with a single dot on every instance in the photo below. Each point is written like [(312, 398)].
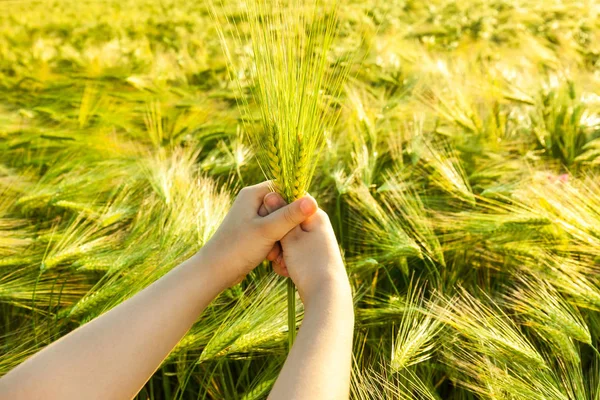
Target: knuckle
[(243, 192), (288, 215), (322, 216)]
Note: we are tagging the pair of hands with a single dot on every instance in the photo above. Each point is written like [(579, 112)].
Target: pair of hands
[(298, 238)]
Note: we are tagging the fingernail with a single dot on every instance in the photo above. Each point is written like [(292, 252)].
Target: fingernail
[(307, 206)]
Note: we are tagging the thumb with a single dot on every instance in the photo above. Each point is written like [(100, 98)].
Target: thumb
[(277, 224)]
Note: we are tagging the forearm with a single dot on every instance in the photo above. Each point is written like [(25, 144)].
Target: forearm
[(115, 354), (318, 366)]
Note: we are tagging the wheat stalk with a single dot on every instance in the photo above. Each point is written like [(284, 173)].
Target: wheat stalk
[(293, 87), (418, 330)]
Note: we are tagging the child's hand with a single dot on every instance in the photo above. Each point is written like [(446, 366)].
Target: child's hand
[(245, 237), (310, 255)]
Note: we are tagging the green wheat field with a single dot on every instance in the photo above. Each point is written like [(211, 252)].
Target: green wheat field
[(461, 172)]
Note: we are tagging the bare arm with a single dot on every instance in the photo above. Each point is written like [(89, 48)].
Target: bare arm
[(113, 356), (318, 367), (319, 364)]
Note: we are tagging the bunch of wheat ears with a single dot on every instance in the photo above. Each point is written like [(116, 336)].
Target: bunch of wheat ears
[(288, 85)]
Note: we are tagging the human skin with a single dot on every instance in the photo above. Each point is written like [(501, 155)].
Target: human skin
[(319, 363), (114, 355)]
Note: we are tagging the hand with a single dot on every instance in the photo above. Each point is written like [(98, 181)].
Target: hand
[(245, 238), (309, 254)]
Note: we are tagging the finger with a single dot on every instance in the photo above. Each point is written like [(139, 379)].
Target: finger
[(255, 194), (280, 269), (281, 261), (273, 202), (274, 253), (262, 211), (318, 219), (277, 224)]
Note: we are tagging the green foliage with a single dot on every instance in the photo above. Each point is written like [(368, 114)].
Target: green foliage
[(458, 163)]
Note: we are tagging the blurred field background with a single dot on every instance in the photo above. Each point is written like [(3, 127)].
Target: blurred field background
[(462, 179)]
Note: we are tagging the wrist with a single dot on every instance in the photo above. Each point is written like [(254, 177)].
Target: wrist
[(207, 262), (333, 289)]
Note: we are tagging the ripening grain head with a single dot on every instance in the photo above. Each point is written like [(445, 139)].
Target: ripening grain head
[(289, 86)]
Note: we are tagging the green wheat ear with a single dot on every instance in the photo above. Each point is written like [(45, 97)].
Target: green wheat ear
[(291, 83)]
